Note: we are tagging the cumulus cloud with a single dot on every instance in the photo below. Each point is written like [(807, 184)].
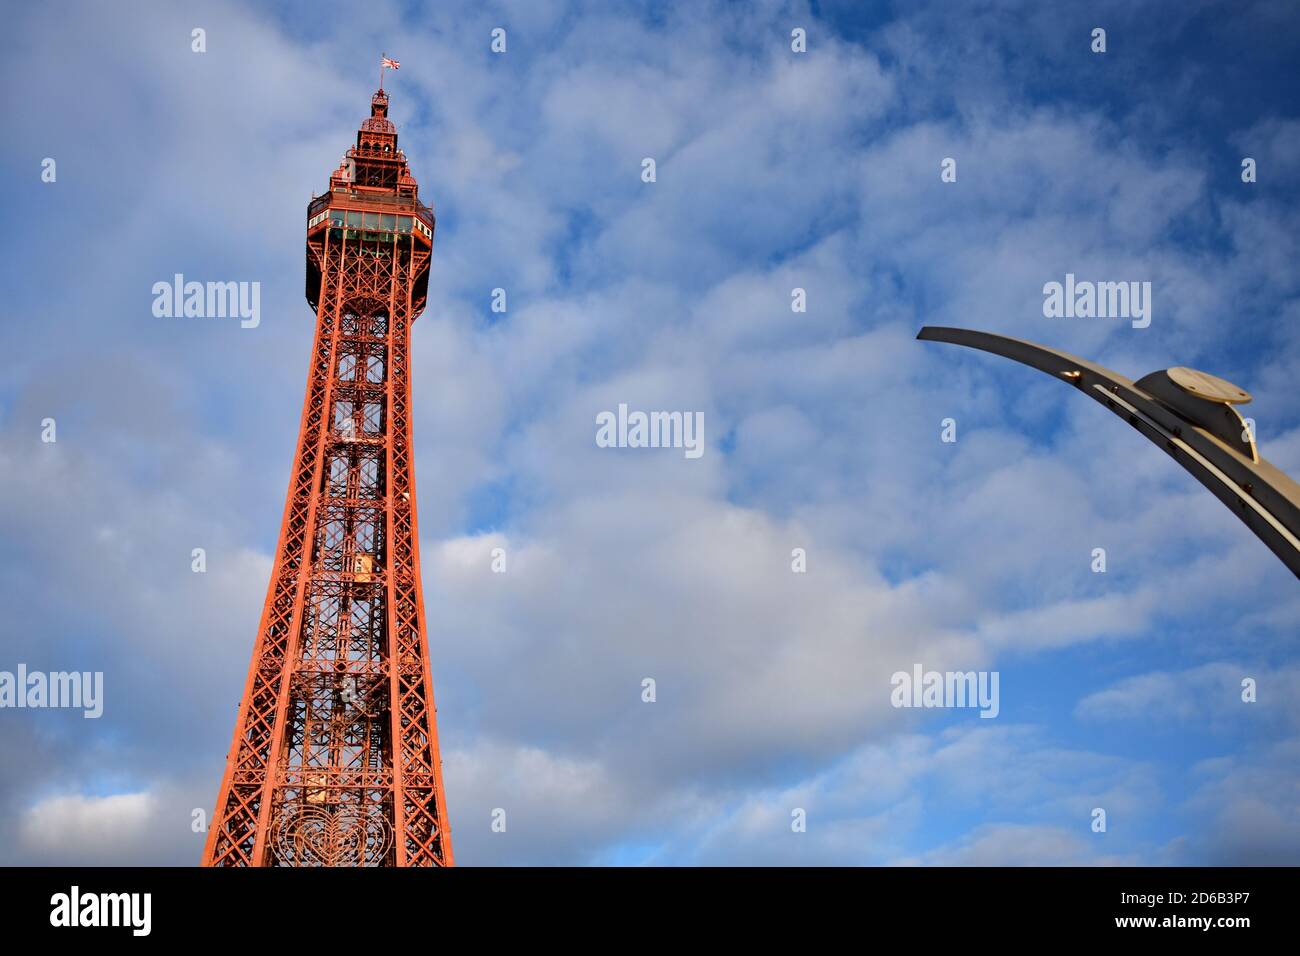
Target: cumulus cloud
[(1212, 693), (77, 829), (1021, 845), (1245, 805)]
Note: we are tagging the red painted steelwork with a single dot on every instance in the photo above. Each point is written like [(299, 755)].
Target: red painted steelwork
[(334, 760)]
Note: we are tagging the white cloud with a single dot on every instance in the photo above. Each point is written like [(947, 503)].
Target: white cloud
[(86, 829), (1211, 693), (1023, 845)]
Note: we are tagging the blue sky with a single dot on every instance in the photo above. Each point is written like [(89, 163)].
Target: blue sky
[(776, 170)]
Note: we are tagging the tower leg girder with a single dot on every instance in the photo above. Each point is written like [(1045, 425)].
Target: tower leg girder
[(334, 759)]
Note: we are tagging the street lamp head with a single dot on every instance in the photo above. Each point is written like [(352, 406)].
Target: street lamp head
[(1207, 386)]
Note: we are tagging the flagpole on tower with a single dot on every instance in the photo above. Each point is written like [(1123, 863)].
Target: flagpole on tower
[(385, 64)]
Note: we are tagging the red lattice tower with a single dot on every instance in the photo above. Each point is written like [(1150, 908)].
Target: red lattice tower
[(335, 754)]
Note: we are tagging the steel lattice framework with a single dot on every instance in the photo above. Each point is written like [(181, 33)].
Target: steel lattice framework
[(335, 757)]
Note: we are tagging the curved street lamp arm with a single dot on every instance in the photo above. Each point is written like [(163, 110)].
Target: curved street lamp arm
[(1188, 415)]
